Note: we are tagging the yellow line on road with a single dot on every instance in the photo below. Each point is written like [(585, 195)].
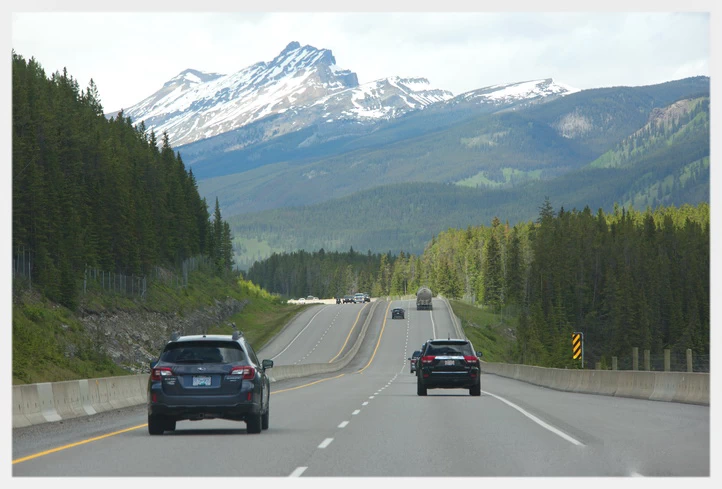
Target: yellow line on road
[(306, 385), (386, 315), (349, 334), (83, 442)]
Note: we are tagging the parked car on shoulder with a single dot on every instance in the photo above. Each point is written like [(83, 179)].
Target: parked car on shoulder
[(206, 377), (367, 298), (448, 364), (397, 313), (359, 298)]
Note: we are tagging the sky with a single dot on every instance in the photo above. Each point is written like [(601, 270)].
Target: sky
[(130, 55)]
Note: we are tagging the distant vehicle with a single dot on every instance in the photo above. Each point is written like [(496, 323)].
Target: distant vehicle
[(311, 298), (338, 300), (301, 300), (413, 359), (423, 299), (359, 298), (206, 377), (348, 299), (397, 313), (367, 298), (448, 364)]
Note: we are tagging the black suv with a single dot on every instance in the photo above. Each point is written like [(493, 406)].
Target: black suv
[(448, 364), (206, 377), (397, 313)]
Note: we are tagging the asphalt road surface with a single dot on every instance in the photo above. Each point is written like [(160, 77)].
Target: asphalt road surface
[(367, 420)]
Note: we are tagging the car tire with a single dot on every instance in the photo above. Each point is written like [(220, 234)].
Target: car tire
[(475, 391), (265, 419), (169, 425), (254, 423), (420, 388), (156, 425)]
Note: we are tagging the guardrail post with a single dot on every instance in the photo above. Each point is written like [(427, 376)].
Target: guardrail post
[(614, 363), (667, 360), (689, 360), (635, 358), (646, 360)]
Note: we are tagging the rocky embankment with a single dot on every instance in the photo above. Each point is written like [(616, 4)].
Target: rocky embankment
[(134, 338)]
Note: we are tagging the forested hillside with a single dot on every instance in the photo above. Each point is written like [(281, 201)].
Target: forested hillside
[(625, 278), (91, 192), (540, 142)]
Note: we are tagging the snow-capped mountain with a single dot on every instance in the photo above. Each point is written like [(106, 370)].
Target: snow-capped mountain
[(513, 93), (301, 87)]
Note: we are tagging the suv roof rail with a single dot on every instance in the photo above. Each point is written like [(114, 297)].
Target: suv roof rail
[(175, 335), (237, 334)]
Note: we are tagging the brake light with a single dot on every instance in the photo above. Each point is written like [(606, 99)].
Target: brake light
[(159, 372), (471, 359), (246, 371), (428, 359)]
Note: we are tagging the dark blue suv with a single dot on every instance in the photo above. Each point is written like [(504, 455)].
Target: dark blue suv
[(206, 377)]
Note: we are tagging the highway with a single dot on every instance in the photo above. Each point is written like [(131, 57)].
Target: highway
[(366, 420)]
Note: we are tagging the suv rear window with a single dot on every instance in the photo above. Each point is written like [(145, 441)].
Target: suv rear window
[(203, 352), (450, 348)]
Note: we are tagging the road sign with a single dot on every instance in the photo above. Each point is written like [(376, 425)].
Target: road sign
[(578, 346)]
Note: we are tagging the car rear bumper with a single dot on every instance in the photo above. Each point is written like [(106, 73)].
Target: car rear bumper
[(450, 380), (236, 406)]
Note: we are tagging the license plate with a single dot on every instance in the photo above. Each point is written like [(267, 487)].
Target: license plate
[(201, 380), (449, 362)]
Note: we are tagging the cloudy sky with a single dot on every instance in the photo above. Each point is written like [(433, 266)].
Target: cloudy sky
[(131, 54)]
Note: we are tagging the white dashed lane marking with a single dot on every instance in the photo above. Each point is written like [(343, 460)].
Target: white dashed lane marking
[(343, 424), (298, 472), (325, 443)]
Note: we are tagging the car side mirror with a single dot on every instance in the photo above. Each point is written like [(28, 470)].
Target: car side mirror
[(479, 354), (267, 364), (153, 363)]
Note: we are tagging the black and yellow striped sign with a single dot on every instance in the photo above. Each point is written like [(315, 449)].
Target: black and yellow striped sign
[(576, 345)]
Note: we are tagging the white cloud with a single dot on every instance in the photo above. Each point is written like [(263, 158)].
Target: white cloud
[(131, 54)]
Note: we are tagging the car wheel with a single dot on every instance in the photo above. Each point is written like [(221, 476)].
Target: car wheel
[(420, 388), (475, 391), (156, 425), (170, 425), (265, 419), (253, 423)]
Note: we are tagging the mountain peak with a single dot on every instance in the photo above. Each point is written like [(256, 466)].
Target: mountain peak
[(293, 45)]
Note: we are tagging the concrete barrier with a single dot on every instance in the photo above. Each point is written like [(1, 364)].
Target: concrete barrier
[(685, 387)]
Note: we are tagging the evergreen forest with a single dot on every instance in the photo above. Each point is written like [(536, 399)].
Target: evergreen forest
[(626, 278), (93, 192)]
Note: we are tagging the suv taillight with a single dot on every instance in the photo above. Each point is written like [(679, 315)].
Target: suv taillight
[(246, 371), (159, 372), (428, 359), (471, 359)]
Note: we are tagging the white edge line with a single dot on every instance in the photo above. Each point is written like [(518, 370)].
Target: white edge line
[(538, 421), (299, 334), (298, 472), (325, 443)]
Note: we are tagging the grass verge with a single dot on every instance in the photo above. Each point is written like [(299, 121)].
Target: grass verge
[(491, 333)]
